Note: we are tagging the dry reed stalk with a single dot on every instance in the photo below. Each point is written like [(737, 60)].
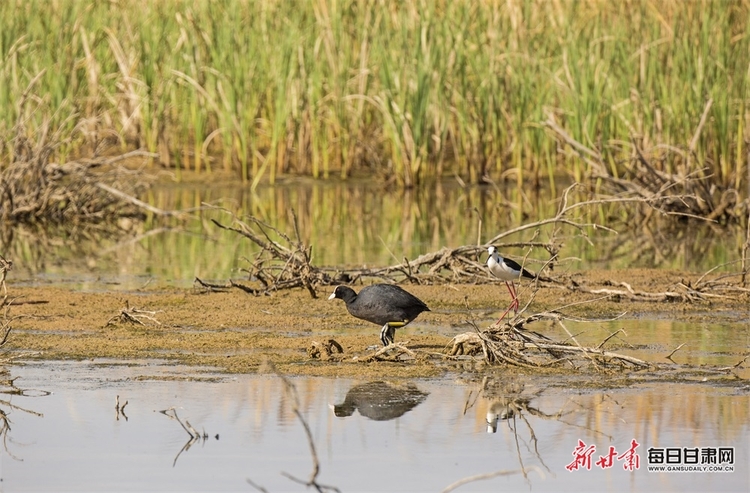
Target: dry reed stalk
[(36, 190), (685, 193)]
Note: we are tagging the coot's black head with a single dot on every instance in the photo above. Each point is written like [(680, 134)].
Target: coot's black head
[(343, 293), (344, 410)]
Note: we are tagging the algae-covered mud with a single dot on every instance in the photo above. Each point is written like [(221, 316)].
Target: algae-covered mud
[(236, 332)]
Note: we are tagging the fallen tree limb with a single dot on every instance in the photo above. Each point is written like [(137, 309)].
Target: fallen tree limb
[(136, 202)]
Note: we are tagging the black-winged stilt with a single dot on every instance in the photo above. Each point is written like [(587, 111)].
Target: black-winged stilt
[(509, 271)]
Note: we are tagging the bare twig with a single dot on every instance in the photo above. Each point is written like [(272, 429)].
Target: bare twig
[(173, 415), (5, 266), (613, 334), (291, 392), (397, 349), (669, 356), (489, 475), (134, 316), (512, 344)]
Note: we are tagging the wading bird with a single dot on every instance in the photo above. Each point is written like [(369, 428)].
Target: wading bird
[(384, 304), (509, 271)]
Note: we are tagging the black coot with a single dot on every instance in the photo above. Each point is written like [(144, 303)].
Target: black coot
[(384, 304), (380, 401)]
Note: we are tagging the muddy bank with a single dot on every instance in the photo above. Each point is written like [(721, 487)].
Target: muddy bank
[(237, 333)]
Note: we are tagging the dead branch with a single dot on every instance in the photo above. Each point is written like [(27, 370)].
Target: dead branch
[(291, 392), (669, 356), (684, 193), (561, 218), (134, 316), (193, 434), (5, 266), (396, 350), (686, 291), (9, 387), (222, 288), (120, 410), (283, 262), (172, 414), (512, 344), (489, 475), (36, 190), (737, 365), (286, 263), (6, 328), (613, 334)]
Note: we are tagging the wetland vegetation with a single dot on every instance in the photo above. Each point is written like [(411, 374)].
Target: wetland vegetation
[(236, 159), (406, 92), (642, 105)]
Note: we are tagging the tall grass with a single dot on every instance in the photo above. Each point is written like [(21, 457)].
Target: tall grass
[(408, 90)]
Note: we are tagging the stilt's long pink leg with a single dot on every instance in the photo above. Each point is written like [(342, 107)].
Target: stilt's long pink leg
[(513, 301), (504, 314), (513, 297)]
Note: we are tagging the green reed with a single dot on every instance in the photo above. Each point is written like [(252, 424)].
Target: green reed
[(412, 91)]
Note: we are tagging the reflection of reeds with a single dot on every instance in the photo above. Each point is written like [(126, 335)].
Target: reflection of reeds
[(358, 224), (409, 90)]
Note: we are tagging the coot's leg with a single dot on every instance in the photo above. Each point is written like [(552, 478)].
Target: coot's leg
[(384, 335), (392, 334)]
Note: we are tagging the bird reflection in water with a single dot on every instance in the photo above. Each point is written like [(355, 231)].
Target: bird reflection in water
[(380, 401), (507, 399)]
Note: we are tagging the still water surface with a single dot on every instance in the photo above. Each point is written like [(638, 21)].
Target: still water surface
[(396, 436), (354, 224)]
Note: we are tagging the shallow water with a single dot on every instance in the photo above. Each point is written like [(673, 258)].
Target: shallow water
[(353, 223), (417, 436), (66, 436)]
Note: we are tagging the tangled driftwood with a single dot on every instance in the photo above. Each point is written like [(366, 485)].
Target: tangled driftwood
[(277, 266), (513, 344), (684, 291), (284, 262), (280, 266), (36, 190), (687, 192)]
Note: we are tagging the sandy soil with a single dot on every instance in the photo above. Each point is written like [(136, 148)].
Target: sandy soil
[(237, 333)]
